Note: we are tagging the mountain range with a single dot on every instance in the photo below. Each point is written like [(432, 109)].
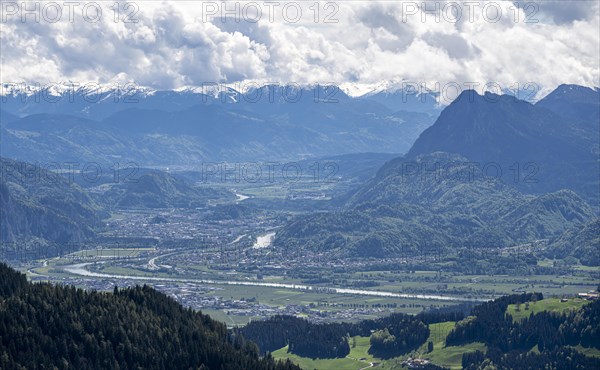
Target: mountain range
[(190, 125), (536, 147), (46, 207), (448, 189), (492, 170), (405, 97), (401, 212)]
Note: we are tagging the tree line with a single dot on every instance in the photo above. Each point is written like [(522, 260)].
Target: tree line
[(390, 336), (510, 343)]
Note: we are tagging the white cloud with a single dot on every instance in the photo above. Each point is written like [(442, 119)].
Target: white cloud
[(171, 45)]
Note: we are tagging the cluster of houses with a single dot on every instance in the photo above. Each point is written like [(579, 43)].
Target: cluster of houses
[(590, 296), (415, 363)]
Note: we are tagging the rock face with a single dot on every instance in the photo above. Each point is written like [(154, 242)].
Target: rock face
[(537, 149), (37, 203), (573, 101)]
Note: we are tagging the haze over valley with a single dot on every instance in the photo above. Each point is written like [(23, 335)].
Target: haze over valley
[(235, 193)]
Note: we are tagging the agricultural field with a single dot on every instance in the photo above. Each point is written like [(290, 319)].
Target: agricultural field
[(519, 312), (358, 358), (179, 268), (110, 253)]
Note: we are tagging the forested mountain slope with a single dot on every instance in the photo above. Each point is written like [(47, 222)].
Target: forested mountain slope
[(45, 326), (405, 210), (36, 202)]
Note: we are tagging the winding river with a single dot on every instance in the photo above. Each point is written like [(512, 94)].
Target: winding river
[(79, 269)]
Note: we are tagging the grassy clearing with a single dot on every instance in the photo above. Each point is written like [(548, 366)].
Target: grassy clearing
[(450, 357), (592, 352), (587, 268), (229, 320), (358, 358), (549, 304)]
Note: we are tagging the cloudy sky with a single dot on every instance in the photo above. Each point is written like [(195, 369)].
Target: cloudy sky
[(350, 43)]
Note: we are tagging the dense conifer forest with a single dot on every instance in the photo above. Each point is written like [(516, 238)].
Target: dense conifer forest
[(45, 326), (543, 340)]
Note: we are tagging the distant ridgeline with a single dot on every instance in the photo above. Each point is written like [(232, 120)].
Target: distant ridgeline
[(491, 172), (43, 326), (192, 126), (538, 148)]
